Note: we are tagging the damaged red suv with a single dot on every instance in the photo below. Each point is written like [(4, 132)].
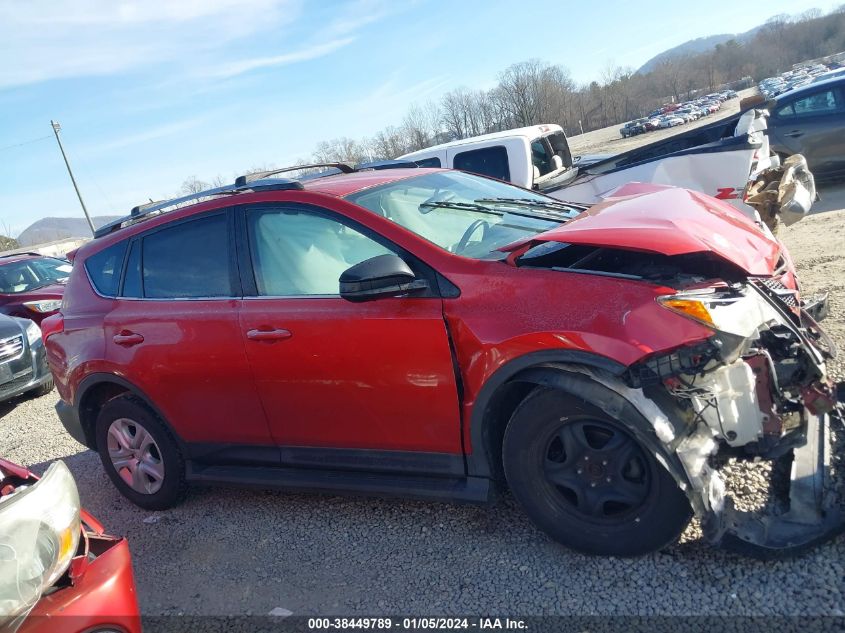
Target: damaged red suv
[(424, 333)]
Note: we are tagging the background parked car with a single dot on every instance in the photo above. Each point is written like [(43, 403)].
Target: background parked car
[(23, 362), (811, 121), (632, 128), (671, 120), (31, 285), (59, 571)]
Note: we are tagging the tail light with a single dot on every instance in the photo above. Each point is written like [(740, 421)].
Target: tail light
[(53, 324)]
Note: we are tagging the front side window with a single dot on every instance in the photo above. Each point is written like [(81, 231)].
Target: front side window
[(299, 253), (464, 214), (188, 260), (540, 157), (560, 146), (29, 274), (820, 103), (490, 161)]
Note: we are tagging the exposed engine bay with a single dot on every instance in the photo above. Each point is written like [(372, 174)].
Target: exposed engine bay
[(755, 390)]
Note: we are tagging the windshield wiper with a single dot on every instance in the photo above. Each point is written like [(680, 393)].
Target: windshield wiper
[(537, 204), (536, 213), (463, 206)]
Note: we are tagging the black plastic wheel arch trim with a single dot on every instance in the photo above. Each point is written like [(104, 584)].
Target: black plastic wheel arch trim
[(478, 461)]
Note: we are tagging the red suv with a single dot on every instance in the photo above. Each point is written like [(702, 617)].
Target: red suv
[(31, 285), (426, 332)]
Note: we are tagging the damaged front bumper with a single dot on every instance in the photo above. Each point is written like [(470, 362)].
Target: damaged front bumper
[(784, 193), (814, 515), (760, 393)]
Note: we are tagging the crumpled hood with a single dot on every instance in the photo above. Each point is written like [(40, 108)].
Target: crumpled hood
[(670, 221)]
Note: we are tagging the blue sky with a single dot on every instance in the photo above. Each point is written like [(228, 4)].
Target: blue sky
[(150, 93)]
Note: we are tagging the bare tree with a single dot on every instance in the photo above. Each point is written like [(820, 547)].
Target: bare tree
[(533, 92), (193, 184), (342, 149)]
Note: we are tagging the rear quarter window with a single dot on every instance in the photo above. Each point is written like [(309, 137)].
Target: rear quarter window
[(429, 162), (104, 268), (489, 161)]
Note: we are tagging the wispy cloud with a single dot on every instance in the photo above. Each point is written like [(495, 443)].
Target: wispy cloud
[(143, 136), (58, 39), (311, 52)]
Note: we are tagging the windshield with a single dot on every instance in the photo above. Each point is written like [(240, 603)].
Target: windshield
[(465, 214), (29, 274)]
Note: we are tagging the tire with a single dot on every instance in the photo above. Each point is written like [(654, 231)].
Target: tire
[(547, 448), (43, 390), (153, 477)]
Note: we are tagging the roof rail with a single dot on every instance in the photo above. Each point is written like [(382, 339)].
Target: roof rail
[(242, 181), (149, 208), (386, 164)]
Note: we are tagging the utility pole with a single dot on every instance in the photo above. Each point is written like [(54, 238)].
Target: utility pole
[(56, 128)]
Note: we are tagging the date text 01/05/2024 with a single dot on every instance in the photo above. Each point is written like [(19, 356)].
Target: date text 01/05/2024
[(411, 624)]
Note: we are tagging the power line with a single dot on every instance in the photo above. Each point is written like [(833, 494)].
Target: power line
[(35, 140)]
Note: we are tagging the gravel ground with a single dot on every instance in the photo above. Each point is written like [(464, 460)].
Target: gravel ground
[(228, 551)]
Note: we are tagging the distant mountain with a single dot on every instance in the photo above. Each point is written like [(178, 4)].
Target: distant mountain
[(693, 47), (52, 229)]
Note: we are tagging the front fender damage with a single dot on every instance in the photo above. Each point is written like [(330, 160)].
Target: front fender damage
[(690, 451)]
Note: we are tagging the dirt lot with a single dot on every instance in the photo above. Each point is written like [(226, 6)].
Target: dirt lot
[(227, 551)]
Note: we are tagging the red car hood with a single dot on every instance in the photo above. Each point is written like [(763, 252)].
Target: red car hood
[(51, 291), (670, 221)]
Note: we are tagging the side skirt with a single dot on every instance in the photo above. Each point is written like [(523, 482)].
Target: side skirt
[(427, 488)]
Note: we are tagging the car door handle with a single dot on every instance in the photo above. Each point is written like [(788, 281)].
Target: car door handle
[(794, 134), (128, 339), (267, 335)]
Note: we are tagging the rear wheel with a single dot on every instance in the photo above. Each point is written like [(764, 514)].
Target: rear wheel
[(585, 479), (140, 454)]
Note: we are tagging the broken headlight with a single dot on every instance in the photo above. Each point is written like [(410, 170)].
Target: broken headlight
[(737, 310), (39, 535)]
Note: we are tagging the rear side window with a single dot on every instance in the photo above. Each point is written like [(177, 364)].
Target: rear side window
[(490, 161), (189, 260), (429, 162), (104, 268)]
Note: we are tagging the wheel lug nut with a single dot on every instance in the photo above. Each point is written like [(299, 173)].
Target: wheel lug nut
[(608, 480), (579, 471), (586, 458), (604, 462), (593, 485)]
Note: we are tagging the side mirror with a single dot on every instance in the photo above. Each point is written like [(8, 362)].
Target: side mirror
[(378, 277), (557, 163)]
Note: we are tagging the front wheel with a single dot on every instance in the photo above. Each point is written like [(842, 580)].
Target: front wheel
[(140, 454), (584, 479)]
